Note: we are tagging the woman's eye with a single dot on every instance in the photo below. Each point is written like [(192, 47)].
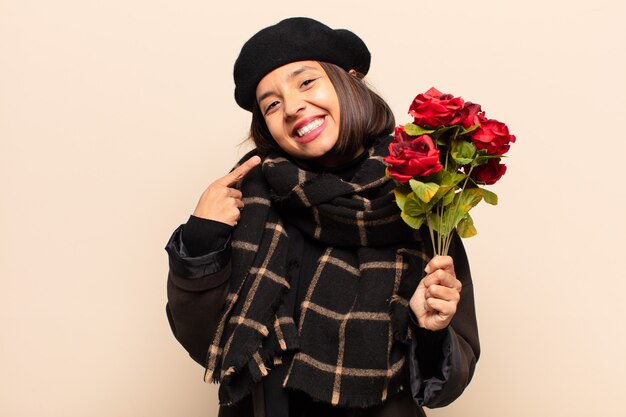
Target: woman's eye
[(306, 83), (271, 106)]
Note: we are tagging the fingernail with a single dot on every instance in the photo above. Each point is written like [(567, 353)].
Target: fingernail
[(427, 269)]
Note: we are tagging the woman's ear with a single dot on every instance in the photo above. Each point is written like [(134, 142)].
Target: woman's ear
[(355, 73)]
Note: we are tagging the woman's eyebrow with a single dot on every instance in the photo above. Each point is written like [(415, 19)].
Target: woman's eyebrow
[(299, 71)]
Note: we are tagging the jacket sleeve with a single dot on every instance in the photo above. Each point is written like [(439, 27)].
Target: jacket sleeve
[(197, 287), (441, 363)]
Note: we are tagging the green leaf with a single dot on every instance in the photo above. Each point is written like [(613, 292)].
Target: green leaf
[(446, 129), (451, 178), (414, 206), (441, 141), (490, 197), (401, 195), (466, 228), (480, 160), (455, 211), (448, 198), (456, 206), (462, 151), (469, 129), (425, 191), (443, 193), (467, 199), (415, 130), (434, 222), (441, 225), (483, 157), (444, 135), (414, 222)]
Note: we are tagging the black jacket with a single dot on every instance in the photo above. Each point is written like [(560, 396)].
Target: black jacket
[(441, 363)]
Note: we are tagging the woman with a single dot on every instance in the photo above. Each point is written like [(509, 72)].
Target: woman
[(295, 282)]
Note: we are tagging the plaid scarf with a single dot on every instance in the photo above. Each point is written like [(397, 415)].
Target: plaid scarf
[(351, 341)]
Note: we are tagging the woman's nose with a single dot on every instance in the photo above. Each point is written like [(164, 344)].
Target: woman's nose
[(293, 104)]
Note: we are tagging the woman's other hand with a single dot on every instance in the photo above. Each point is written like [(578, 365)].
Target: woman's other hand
[(220, 201), (437, 295)]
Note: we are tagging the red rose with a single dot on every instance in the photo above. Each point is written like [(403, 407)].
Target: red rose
[(490, 172), (411, 156), (492, 136), (434, 109), (471, 114)]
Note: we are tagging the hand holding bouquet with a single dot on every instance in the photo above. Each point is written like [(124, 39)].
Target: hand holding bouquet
[(442, 160)]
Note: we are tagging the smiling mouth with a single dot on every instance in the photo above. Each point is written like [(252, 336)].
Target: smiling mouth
[(309, 127)]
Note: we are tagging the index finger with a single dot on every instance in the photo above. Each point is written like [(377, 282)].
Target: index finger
[(240, 172), (440, 262)]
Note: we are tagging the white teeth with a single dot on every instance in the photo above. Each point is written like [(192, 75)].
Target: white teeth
[(306, 129)]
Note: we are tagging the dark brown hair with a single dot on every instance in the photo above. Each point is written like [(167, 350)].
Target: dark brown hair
[(363, 114)]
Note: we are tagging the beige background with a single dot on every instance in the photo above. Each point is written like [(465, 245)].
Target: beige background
[(114, 115)]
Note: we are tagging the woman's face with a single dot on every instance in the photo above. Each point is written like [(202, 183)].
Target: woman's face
[(301, 110)]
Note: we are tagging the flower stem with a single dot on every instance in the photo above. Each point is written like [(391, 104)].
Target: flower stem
[(432, 235), (456, 209), (442, 235)]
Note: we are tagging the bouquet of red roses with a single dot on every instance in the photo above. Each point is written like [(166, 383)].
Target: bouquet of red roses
[(442, 160)]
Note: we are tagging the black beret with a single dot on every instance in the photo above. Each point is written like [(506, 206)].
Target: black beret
[(291, 40)]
